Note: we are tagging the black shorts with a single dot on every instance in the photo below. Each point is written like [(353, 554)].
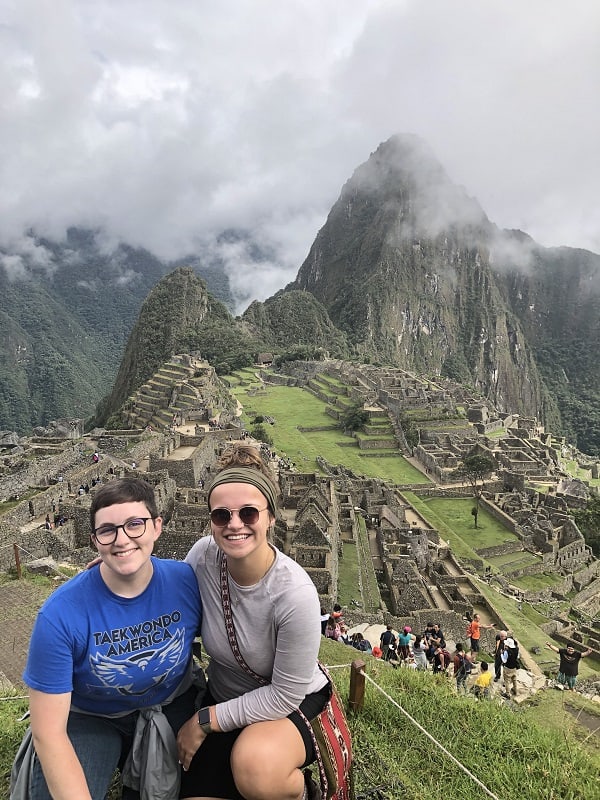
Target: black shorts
[(475, 645), (210, 773)]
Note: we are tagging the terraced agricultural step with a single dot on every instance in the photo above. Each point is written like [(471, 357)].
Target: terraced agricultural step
[(151, 391), (147, 405)]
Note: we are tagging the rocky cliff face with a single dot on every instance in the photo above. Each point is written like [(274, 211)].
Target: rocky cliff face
[(402, 266), (555, 293)]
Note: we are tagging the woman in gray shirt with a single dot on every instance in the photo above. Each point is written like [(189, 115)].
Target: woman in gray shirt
[(248, 741)]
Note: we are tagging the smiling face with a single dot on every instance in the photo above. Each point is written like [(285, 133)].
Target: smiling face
[(238, 540), (126, 562)]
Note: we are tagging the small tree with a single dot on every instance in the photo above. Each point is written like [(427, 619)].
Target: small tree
[(411, 432), (475, 468), (354, 418), (260, 433)]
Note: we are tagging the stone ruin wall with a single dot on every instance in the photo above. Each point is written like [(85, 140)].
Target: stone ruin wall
[(177, 538), (587, 595), (586, 574), (41, 472)]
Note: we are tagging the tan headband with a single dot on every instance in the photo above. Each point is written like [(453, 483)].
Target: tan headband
[(246, 475)]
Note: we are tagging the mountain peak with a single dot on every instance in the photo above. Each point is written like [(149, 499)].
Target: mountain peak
[(405, 171)]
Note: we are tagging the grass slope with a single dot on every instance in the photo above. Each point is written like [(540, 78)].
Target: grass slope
[(294, 410), (533, 752)]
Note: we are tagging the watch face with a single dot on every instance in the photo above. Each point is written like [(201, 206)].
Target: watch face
[(204, 718)]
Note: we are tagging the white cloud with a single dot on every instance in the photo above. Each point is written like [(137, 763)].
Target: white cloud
[(167, 123), (14, 266)]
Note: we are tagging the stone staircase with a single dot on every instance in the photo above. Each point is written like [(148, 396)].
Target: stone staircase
[(175, 388)]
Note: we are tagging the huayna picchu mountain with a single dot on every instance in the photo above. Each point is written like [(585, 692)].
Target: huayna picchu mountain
[(413, 272), (402, 266), (179, 315)]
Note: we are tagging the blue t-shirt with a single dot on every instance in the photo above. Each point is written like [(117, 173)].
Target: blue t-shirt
[(116, 654)]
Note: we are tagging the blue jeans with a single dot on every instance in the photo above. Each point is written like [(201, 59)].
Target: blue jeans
[(102, 745)]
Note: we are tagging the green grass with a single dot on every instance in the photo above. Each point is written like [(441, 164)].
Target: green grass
[(331, 380), (452, 518), (11, 733), (292, 407), (538, 582), (348, 587), (585, 474), (446, 532), (456, 512)]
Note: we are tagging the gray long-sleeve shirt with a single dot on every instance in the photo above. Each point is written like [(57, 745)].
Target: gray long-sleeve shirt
[(277, 624)]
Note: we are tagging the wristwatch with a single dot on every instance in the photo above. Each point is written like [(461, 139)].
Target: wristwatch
[(204, 719)]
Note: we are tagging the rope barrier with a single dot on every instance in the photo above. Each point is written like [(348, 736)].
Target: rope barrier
[(21, 549), (431, 738)]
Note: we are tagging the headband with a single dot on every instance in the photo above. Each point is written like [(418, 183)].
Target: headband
[(246, 475)]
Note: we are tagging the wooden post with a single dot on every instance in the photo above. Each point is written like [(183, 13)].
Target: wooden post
[(17, 561), (357, 685)]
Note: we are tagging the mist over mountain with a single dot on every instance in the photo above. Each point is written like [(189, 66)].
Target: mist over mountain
[(66, 311), (407, 270), (555, 294)]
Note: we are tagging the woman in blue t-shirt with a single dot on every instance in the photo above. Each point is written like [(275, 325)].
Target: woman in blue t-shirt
[(110, 643)]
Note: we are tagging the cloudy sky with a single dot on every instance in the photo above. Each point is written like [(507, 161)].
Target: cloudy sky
[(167, 121)]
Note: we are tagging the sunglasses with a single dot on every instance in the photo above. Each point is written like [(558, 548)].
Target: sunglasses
[(220, 517)]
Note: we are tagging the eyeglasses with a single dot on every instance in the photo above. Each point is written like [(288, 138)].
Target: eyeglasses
[(134, 528), (247, 514)]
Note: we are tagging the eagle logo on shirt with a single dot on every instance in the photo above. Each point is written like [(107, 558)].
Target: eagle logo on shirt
[(143, 670)]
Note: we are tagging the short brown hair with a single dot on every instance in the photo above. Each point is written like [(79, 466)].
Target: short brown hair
[(123, 490)]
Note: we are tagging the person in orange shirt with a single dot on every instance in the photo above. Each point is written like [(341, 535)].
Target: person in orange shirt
[(474, 633)]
